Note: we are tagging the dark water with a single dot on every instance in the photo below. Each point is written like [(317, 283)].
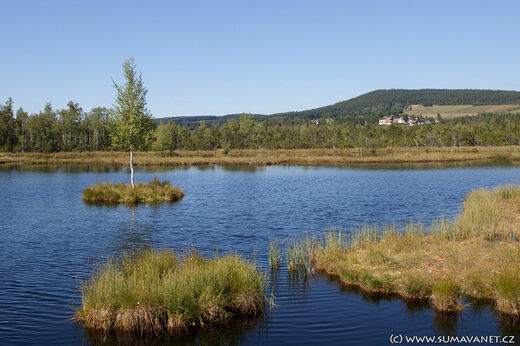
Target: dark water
[(50, 241)]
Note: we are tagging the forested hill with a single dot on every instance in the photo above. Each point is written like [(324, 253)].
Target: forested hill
[(381, 102)]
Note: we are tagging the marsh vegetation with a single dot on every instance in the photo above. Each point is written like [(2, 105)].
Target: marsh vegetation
[(155, 291), (153, 192), (475, 256), (353, 156)]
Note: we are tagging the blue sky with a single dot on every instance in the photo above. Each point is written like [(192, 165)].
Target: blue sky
[(220, 57)]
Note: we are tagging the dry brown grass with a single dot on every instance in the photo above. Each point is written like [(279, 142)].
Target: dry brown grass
[(354, 156), (475, 257)]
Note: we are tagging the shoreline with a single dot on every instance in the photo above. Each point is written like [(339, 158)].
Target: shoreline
[(434, 265), (303, 157)]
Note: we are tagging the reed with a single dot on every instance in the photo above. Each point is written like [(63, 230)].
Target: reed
[(155, 291), (274, 255), (473, 256), (299, 252), (153, 192)]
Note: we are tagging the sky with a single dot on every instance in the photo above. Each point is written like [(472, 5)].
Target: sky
[(222, 57)]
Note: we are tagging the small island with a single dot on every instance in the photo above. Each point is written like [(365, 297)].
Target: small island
[(153, 192), (155, 291)]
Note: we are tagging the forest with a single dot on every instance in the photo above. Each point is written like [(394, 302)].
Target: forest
[(72, 129), (371, 106)]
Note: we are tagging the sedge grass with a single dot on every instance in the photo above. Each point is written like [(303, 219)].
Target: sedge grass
[(473, 256), (274, 255), (153, 192), (299, 252), (155, 291)]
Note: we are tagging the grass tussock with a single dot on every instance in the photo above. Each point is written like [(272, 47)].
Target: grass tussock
[(474, 256), (153, 192), (155, 291), (507, 291), (446, 295)]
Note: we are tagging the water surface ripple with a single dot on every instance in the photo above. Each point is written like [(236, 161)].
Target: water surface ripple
[(50, 241)]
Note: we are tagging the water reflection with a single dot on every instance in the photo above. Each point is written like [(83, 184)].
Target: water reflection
[(133, 236), (509, 325), (231, 334), (245, 169), (446, 322), (61, 169), (496, 162)]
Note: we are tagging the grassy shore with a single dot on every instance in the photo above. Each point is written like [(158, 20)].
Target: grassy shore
[(155, 292), (271, 157), (475, 256), (153, 192)]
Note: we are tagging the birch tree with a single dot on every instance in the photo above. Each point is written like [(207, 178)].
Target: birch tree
[(131, 123)]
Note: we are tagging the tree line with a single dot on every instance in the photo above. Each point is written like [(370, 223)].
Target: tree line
[(245, 133), (72, 129), (52, 130)]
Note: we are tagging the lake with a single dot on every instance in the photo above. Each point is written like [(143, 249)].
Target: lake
[(51, 241)]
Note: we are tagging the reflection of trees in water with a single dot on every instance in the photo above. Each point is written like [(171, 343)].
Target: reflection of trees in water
[(243, 168), (62, 169), (133, 235), (497, 162)]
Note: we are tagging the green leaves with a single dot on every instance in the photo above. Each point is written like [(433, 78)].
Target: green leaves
[(131, 123)]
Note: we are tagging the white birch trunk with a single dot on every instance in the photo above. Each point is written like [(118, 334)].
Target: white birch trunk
[(132, 168)]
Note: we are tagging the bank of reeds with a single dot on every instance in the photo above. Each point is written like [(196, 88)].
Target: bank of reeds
[(155, 291), (153, 192), (263, 157), (474, 256)]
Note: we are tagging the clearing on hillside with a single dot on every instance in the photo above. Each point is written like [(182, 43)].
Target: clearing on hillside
[(454, 111)]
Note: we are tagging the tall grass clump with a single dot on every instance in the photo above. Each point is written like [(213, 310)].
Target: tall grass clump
[(299, 252), (155, 291), (507, 292), (152, 192), (446, 295), (274, 255), (490, 214), (508, 191)]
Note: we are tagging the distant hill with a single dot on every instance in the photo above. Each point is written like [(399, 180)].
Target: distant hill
[(455, 111), (378, 103)]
